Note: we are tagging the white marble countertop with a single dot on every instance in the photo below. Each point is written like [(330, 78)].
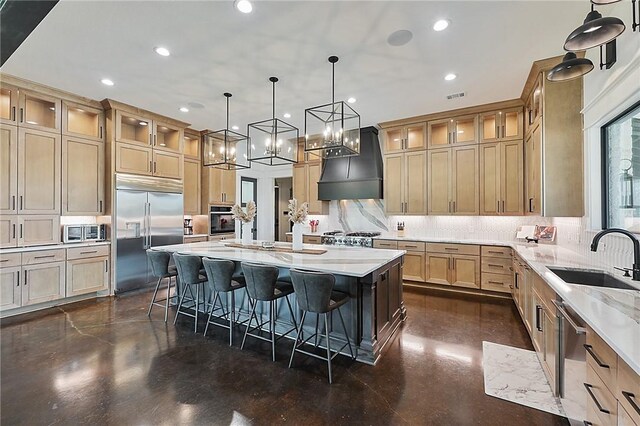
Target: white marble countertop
[(195, 235), (349, 261), (53, 246)]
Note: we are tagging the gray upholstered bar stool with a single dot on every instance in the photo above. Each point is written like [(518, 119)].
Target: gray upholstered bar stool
[(263, 286), (189, 267), (222, 280), (161, 270), (315, 294)]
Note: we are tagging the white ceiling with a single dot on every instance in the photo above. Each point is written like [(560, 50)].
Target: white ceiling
[(214, 48)]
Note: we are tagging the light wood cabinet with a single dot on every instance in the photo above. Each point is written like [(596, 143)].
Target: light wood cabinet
[(191, 144), (35, 230), (405, 186), (533, 106), (405, 138), (453, 264), (134, 159), (465, 181), (439, 168), (82, 176), (133, 129), (305, 186), (414, 268), (501, 178), (501, 125), (221, 237), (8, 230), (167, 164), (82, 121), (10, 291), (87, 275), (39, 161), (311, 239), (43, 282), (167, 137), (39, 111), (8, 169), (191, 187), (453, 131), (533, 172), (628, 394), (465, 271), (438, 268), (8, 104), (220, 186)]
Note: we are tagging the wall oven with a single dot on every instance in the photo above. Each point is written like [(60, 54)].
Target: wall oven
[(221, 220)]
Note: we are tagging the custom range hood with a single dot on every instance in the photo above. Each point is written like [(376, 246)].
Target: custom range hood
[(355, 177)]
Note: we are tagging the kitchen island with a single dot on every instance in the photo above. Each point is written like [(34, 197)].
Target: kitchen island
[(371, 277)]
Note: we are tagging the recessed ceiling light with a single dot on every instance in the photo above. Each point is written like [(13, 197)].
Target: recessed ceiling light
[(184, 109), (106, 82), (235, 128), (243, 6), (287, 115), (143, 123), (351, 100), (400, 38), (450, 77), (162, 51), (440, 25)]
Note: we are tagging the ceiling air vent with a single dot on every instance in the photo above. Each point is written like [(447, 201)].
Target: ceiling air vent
[(456, 95)]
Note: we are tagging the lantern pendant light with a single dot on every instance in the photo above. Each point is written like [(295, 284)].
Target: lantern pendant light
[(571, 67), (332, 130), (223, 149), (594, 32), (280, 144)]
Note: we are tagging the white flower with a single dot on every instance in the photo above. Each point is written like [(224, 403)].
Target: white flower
[(241, 215), (298, 214)]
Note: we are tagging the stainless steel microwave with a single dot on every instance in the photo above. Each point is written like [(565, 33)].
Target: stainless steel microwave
[(81, 233)]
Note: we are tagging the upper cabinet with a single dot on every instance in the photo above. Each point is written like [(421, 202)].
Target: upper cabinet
[(8, 104), (131, 128), (411, 137), (8, 169), (82, 121), (501, 125), (453, 131), (167, 137), (533, 107), (191, 144), (405, 189), (453, 182), (82, 176), (39, 111)]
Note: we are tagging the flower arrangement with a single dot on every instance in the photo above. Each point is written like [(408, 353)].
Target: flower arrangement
[(241, 215), (314, 225), (298, 214)]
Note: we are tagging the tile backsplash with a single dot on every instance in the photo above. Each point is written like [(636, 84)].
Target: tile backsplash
[(573, 233)]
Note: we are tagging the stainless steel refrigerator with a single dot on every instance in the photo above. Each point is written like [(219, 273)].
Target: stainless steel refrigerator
[(149, 212)]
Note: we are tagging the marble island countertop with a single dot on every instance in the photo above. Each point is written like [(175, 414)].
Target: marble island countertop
[(54, 246), (349, 261)]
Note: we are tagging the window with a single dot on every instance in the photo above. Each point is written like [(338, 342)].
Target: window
[(621, 171)]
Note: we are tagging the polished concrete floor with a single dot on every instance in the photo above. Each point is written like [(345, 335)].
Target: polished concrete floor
[(105, 362)]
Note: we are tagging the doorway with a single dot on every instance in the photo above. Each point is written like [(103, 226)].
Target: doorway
[(283, 193), (249, 192)]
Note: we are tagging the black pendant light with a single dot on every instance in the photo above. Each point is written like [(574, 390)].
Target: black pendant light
[(571, 67), (223, 149), (594, 32), (332, 130), (634, 11), (273, 141)]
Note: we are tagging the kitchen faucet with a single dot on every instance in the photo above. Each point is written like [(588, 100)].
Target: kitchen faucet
[(636, 247)]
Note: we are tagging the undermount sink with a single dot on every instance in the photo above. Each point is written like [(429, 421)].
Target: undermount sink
[(590, 278)]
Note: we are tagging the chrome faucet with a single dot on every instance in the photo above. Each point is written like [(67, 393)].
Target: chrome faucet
[(636, 247)]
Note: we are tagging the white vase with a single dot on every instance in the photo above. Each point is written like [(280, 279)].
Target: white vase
[(297, 237), (247, 233)]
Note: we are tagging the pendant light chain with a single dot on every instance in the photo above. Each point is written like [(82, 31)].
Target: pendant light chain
[(273, 100)]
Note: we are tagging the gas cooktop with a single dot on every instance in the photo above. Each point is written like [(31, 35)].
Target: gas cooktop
[(340, 238)]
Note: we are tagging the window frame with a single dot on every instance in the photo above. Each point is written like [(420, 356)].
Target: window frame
[(605, 166)]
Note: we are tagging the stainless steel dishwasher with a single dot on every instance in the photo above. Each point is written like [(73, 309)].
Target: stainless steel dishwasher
[(573, 364)]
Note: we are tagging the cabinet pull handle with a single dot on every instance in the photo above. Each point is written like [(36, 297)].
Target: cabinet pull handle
[(25, 277), (154, 167), (497, 206), (20, 230), (100, 132), (22, 115), (13, 202), (150, 166), (494, 252), (45, 257), (100, 206), (4, 260), (20, 203), (538, 324), (496, 282), (630, 397), (516, 280), (493, 265), (593, 397), (502, 206), (408, 246), (587, 423), (451, 248), (106, 265), (595, 357), (449, 208), (530, 208), (14, 233), (89, 252), (503, 131), (18, 280), (13, 113), (155, 140)]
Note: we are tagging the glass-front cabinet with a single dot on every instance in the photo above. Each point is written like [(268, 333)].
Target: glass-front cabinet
[(133, 129), (167, 137), (8, 104), (533, 107), (191, 144), (501, 125), (411, 137), (82, 121), (453, 131), (39, 111)]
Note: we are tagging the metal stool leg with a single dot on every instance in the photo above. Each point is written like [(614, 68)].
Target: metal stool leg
[(166, 308), (298, 332), (231, 317), (346, 334), (253, 310), (316, 335), (272, 326), (326, 327), (195, 314), (184, 291), (153, 299), (293, 317)]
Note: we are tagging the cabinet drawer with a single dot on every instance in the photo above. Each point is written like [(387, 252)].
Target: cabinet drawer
[(188, 240), (628, 391), (10, 259), (600, 399), (496, 282), (494, 251), (497, 265), (385, 244), (602, 359), (411, 246), (86, 252), (624, 418), (311, 239), (42, 256), (467, 249)]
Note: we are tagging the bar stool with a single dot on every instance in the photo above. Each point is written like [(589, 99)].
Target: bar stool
[(263, 286), (160, 269), (222, 280), (314, 292), (189, 267)]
